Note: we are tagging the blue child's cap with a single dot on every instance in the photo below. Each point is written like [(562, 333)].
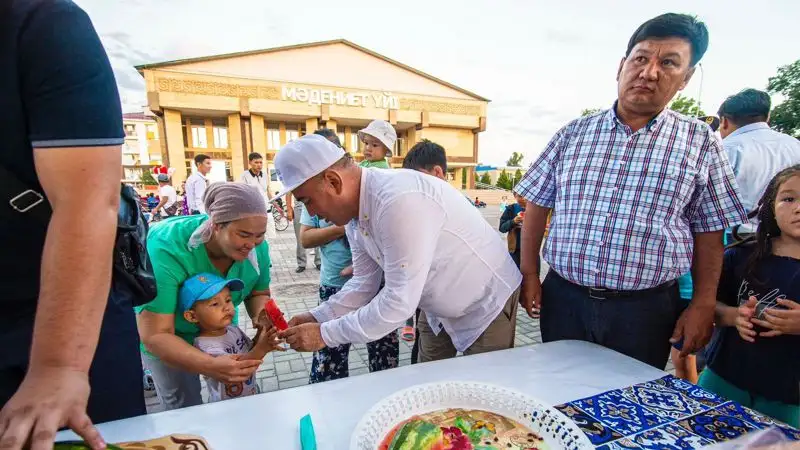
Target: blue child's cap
[(203, 286)]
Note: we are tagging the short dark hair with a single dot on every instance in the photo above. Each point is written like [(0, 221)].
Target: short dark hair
[(425, 155), (254, 156), (746, 107), (330, 135), (199, 159), (670, 25)]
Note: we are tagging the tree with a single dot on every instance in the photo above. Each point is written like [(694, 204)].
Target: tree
[(517, 177), (589, 111), (486, 179), (147, 178), (515, 160), (785, 117), (504, 181), (686, 106)]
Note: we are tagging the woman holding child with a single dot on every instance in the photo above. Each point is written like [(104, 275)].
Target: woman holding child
[(226, 244)]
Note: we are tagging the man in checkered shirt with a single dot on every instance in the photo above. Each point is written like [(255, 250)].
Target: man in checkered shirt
[(639, 196)]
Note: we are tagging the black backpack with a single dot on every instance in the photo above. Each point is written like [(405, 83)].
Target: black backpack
[(132, 270)]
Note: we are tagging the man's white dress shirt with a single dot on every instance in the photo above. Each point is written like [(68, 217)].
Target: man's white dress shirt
[(756, 154), (437, 253), (196, 186)]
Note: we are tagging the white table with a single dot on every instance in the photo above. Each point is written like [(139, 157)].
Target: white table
[(554, 373)]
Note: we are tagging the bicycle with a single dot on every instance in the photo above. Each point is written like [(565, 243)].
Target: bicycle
[(281, 221)]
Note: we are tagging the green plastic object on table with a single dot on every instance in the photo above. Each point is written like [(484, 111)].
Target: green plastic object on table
[(79, 445), (308, 439)]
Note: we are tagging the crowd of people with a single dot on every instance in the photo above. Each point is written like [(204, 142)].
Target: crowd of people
[(636, 196)]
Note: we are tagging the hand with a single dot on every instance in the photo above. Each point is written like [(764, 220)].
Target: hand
[(694, 326), (300, 319), (781, 321), (228, 369), (268, 340), (347, 271), (304, 338), (517, 220), (531, 295), (47, 400), (744, 315)]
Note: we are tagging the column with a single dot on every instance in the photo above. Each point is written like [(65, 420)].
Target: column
[(413, 135), (347, 139), (173, 136), (235, 142), (331, 125), (311, 125), (282, 132), (470, 178), (258, 134)]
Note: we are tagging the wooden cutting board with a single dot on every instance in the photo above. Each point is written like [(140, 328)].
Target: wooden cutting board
[(171, 442)]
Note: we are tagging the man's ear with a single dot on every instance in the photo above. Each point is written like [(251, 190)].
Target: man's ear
[(619, 69), (190, 316), (334, 180), (687, 78), (438, 172)]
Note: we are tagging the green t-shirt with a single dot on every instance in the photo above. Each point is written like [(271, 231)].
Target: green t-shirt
[(173, 263), (380, 164)]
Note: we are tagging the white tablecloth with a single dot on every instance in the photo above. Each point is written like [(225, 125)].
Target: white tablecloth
[(554, 373)]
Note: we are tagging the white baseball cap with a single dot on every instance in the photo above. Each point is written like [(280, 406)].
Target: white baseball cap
[(300, 160), (382, 131)]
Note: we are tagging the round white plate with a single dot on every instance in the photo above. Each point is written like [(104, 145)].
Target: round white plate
[(559, 432)]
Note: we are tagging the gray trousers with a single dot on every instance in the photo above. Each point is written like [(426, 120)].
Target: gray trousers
[(175, 388), (301, 252)]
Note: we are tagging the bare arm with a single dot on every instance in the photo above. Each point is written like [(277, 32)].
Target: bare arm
[(707, 267), (533, 227), (311, 237), (72, 299), (161, 203)]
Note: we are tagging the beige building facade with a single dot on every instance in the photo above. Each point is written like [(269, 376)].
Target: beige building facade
[(142, 148), (227, 106)]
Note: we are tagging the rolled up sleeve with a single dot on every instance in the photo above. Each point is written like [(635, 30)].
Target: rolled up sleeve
[(408, 249), (716, 205)]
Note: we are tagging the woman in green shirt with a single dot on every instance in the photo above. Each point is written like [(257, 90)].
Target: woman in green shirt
[(229, 241)]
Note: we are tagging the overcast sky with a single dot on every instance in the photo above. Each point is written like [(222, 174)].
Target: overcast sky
[(540, 62)]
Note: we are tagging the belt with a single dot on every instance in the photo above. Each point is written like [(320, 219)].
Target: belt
[(604, 293)]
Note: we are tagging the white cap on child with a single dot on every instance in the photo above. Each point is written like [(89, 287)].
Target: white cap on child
[(382, 131)]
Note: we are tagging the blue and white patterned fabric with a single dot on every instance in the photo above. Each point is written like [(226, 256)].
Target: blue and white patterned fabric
[(667, 413)]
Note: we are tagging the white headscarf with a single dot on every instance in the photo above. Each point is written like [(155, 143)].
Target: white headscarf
[(228, 202)]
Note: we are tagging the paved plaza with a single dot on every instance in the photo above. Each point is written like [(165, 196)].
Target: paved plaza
[(297, 293)]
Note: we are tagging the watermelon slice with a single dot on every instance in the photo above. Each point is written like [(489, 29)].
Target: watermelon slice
[(275, 315)]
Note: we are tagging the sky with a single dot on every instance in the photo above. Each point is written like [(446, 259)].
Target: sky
[(540, 63)]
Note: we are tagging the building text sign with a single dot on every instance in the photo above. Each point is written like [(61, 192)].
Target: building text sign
[(383, 100)]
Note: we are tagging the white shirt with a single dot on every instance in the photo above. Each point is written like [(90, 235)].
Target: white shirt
[(233, 342), (259, 181), (756, 154), (196, 186), (167, 192), (436, 252)]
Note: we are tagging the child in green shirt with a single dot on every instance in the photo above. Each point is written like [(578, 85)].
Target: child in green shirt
[(379, 138)]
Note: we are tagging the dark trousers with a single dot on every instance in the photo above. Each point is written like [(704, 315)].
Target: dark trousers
[(638, 325), (115, 376)]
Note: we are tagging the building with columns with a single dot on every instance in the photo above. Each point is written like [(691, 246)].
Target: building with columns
[(227, 106)]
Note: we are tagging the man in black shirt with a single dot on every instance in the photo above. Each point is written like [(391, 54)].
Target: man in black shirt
[(77, 362)]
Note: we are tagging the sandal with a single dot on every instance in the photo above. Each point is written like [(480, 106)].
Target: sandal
[(407, 333)]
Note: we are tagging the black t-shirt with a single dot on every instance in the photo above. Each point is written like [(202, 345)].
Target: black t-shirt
[(770, 366), (57, 90)]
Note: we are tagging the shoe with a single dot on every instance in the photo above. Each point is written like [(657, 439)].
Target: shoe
[(408, 334), (300, 270)]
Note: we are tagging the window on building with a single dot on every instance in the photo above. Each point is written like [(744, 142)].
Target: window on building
[(130, 130), (354, 143), (220, 137), (152, 132), (341, 138), (273, 137), (199, 139), (292, 135)]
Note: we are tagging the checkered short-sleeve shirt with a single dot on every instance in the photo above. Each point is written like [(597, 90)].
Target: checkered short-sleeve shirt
[(626, 205)]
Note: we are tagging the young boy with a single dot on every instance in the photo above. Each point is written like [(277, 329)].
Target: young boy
[(205, 300), (379, 138)]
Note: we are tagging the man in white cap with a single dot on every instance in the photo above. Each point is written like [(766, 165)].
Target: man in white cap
[(446, 261)]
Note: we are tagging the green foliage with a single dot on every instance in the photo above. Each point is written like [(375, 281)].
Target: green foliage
[(686, 106), (147, 178), (517, 177), (485, 178), (515, 160), (785, 117), (504, 181), (589, 111)]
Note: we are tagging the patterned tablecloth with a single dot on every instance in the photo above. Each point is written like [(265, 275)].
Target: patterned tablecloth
[(667, 413)]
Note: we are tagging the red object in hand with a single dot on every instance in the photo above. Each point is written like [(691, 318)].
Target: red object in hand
[(522, 214), (275, 315)]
